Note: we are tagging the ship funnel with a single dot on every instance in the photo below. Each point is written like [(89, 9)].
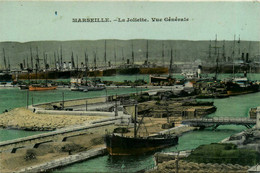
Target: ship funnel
[(21, 66)]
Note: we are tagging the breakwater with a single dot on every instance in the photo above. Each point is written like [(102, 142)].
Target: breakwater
[(55, 136)]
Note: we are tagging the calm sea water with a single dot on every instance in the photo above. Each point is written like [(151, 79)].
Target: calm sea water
[(237, 106), (13, 97)]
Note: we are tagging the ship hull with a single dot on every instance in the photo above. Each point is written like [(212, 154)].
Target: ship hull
[(118, 145), (235, 90), (154, 70), (41, 88), (234, 93)]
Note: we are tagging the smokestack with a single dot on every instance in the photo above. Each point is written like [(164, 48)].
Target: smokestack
[(21, 66), (247, 57)]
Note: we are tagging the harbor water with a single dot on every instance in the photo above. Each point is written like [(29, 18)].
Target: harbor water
[(237, 106)]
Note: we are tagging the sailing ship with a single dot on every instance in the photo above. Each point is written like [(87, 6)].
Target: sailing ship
[(41, 87), (118, 144), (155, 79), (77, 83), (241, 85)]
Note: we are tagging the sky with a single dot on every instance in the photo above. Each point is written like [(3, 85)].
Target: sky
[(34, 21)]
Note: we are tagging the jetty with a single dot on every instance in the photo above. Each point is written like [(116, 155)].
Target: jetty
[(59, 135), (57, 163)]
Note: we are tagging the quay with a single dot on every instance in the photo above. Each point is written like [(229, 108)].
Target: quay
[(79, 157), (56, 136)]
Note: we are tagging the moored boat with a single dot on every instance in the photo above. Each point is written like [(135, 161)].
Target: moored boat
[(240, 86), (122, 145), (41, 87)]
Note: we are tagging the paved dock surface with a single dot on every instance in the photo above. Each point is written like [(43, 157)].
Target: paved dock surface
[(65, 161)]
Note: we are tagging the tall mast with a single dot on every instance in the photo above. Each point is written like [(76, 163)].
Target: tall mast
[(216, 44), (77, 62), (95, 67), (210, 50), (224, 51), (238, 45), (45, 64), (86, 66), (233, 55), (37, 59), (44, 59), (8, 63), (115, 55), (163, 53), (72, 61), (95, 61), (4, 59), (216, 73), (24, 63), (61, 57), (27, 62), (105, 54), (55, 61), (133, 55), (31, 57), (147, 54), (171, 63), (123, 58)]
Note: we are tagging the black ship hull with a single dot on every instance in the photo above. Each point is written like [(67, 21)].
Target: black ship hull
[(119, 145), (233, 89)]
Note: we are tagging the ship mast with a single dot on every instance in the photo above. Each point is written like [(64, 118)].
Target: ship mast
[(55, 61), (133, 55), (147, 54), (37, 63), (216, 73), (27, 62), (209, 50), (4, 59), (224, 52), (170, 71), (95, 67), (86, 66), (61, 57), (163, 54), (216, 44), (31, 57), (72, 61), (123, 58), (115, 55), (105, 54), (233, 55), (8, 63)]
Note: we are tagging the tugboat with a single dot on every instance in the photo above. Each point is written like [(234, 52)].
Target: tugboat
[(121, 145)]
